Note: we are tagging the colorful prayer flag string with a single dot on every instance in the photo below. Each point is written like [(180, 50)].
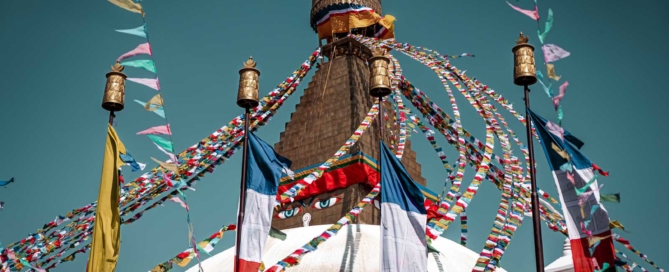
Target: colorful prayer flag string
[(543, 193), (195, 162)]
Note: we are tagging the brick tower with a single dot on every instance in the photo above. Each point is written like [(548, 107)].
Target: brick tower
[(333, 105)]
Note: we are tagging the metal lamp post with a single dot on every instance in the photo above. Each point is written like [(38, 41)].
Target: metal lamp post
[(247, 98), (525, 74)]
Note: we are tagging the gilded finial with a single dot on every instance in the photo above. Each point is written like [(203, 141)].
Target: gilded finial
[(250, 63), (117, 67), (522, 39)]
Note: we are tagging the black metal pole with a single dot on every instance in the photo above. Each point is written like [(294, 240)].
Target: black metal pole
[(111, 117), (536, 215), (242, 191), (381, 116), (381, 134)]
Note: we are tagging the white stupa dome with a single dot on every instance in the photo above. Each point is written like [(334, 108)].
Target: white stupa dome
[(356, 248), (564, 263)]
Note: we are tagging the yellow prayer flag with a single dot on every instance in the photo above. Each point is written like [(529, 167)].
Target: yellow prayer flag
[(107, 230), (561, 152), (157, 100), (185, 261), (615, 224), (128, 5), (594, 239), (550, 69), (169, 166)]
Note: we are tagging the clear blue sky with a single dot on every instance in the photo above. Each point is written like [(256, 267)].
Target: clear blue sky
[(55, 55)]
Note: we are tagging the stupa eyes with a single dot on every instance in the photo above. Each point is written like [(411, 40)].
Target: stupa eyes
[(326, 203), (288, 213)]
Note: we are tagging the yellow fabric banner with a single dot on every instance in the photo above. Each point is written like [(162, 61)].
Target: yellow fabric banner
[(362, 19), (107, 230), (388, 22), (343, 23)]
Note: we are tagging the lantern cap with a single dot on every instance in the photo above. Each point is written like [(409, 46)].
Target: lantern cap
[(117, 67), (522, 39), (250, 63)]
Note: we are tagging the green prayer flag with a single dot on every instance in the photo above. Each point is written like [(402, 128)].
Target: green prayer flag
[(610, 198), (275, 233), (148, 65), (549, 25), (164, 143), (431, 249), (582, 190)]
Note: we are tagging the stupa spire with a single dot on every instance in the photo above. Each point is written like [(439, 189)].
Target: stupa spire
[(333, 105)]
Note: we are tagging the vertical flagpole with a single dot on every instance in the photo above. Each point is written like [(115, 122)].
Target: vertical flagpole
[(247, 98), (242, 190), (379, 87), (113, 100), (114, 96), (524, 74)]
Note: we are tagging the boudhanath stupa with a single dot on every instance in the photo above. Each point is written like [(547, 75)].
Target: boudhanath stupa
[(344, 74)]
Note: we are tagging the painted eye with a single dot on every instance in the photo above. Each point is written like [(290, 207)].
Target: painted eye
[(288, 213), (326, 203)]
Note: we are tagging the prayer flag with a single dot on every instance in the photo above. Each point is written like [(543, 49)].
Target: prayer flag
[(553, 53), (128, 5), (148, 82), (107, 228), (164, 129), (162, 142), (580, 233), (611, 198), (137, 31), (144, 64), (169, 166), (155, 102), (130, 161), (549, 25), (264, 170), (550, 69), (152, 107), (144, 48), (403, 218), (534, 14), (558, 98), (6, 182)]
